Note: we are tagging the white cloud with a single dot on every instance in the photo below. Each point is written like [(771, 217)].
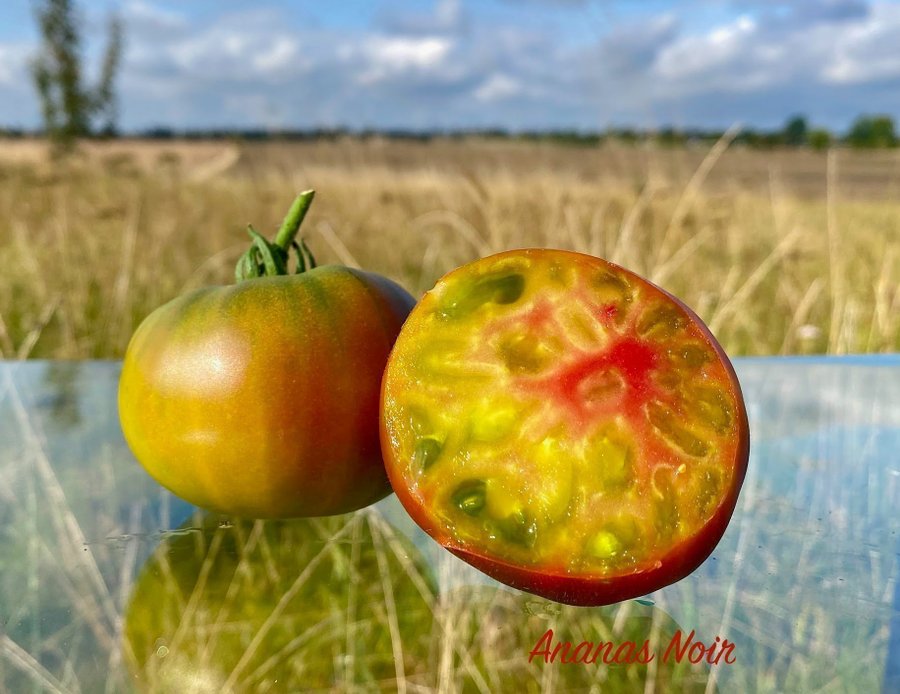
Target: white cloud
[(152, 17), (13, 63), (445, 68), (245, 46), (497, 87), (696, 57), (750, 56), (283, 53), (459, 65), (867, 51), (391, 56)]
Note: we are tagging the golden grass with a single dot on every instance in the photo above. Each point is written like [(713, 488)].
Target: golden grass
[(790, 253)]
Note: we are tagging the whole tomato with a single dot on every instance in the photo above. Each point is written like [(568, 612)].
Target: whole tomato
[(261, 399), (564, 425)]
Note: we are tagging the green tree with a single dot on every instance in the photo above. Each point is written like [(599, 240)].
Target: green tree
[(872, 131), (819, 139), (796, 131), (70, 108), (670, 137)]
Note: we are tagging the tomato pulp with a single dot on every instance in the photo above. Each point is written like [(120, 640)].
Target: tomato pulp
[(564, 425)]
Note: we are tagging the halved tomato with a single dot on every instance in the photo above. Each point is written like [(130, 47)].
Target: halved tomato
[(564, 425)]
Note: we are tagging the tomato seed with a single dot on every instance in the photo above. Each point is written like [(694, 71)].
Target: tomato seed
[(427, 451), (519, 529), (469, 497)]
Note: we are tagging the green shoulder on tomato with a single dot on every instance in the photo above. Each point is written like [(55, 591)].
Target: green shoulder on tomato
[(260, 399)]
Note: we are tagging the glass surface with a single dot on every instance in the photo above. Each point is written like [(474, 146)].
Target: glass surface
[(109, 583)]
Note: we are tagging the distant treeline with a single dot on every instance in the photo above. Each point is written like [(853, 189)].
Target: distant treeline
[(867, 131)]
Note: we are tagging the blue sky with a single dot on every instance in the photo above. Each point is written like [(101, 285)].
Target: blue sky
[(517, 64)]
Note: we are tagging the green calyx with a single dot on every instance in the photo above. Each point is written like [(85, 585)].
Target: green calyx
[(268, 259)]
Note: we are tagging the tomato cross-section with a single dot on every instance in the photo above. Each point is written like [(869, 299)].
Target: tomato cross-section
[(564, 425)]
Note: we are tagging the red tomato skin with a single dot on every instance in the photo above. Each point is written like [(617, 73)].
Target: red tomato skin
[(260, 399), (585, 591)]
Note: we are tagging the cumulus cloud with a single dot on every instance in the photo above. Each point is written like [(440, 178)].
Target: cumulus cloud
[(747, 54), (866, 51), (387, 57), (247, 45), (456, 64), (712, 59)]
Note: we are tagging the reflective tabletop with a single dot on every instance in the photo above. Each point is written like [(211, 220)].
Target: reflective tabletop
[(109, 583)]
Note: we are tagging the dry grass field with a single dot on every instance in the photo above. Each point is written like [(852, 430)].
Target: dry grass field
[(780, 252)]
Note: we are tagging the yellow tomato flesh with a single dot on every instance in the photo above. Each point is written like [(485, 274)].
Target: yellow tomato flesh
[(548, 409)]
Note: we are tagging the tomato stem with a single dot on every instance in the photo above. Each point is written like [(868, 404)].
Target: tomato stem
[(293, 219), (267, 259)]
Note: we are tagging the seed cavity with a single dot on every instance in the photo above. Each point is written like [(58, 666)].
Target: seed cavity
[(668, 378), (582, 329), (443, 358), (492, 422), (468, 297), (626, 529), (709, 492), (426, 453), (559, 274), (612, 288), (469, 497), (519, 528), (524, 354), (501, 502), (666, 515), (660, 322), (713, 407), (691, 355), (419, 421), (551, 499), (618, 537), (601, 386), (666, 422), (605, 545), (610, 456)]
